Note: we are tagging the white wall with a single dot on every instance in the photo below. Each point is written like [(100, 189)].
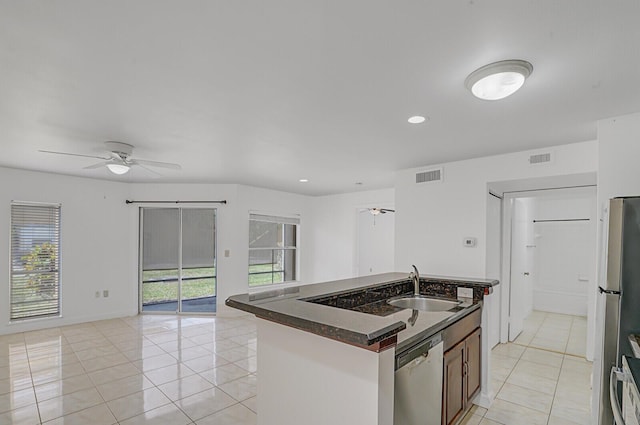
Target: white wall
[(619, 150), (335, 227), (375, 242), (433, 218), (95, 249)]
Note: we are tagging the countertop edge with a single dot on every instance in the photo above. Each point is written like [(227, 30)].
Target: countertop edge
[(321, 329), (441, 325)]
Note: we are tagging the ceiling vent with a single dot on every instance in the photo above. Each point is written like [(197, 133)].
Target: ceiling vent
[(540, 158), (429, 176)]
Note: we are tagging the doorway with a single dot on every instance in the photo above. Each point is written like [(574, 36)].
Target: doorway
[(177, 271), (375, 241), (551, 258)]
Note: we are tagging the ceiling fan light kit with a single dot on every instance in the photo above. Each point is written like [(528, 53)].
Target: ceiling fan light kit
[(499, 79), (119, 160), (118, 168)]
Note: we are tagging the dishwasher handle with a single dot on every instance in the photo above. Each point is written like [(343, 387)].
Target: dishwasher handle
[(418, 351), (615, 376)]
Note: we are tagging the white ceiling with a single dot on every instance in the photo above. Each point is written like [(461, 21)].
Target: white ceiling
[(267, 92)]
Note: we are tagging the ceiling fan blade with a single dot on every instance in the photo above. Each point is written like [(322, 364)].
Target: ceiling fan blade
[(156, 164), (385, 210), (73, 154), (98, 165), (155, 174)]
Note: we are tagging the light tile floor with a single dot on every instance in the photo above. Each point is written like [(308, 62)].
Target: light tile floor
[(139, 370), (178, 370), (555, 332), (538, 379)]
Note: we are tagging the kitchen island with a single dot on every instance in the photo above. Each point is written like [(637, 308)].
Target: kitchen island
[(326, 352)]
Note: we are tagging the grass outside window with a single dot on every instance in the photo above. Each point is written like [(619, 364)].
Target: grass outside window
[(162, 285)]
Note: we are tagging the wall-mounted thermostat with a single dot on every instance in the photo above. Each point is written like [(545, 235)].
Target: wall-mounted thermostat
[(469, 242)]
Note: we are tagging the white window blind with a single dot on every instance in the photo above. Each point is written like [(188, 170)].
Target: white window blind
[(35, 260)]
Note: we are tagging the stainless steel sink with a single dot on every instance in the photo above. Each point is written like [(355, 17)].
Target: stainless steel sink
[(423, 303)]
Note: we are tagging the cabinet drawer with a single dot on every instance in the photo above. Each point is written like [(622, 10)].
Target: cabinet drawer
[(459, 330)]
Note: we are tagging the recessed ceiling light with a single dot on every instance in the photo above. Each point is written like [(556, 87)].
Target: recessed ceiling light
[(303, 180), (417, 119), (499, 79)]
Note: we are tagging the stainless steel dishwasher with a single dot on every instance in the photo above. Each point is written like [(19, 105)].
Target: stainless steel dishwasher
[(418, 383)]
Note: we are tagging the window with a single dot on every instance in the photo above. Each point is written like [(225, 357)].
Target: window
[(35, 260), (273, 245)]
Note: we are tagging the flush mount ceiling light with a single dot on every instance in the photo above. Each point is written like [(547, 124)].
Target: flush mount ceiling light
[(417, 119), (499, 79), (118, 168), (303, 180)]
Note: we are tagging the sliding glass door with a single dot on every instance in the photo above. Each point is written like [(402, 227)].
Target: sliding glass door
[(178, 260)]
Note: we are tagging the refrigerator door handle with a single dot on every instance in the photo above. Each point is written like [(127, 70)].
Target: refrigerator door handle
[(608, 291), (615, 376)]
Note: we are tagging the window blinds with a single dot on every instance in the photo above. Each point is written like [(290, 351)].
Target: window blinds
[(274, 219), (35, 260), (161, 236)]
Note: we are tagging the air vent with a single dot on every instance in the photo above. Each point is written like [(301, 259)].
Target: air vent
[(429, 176), (540, 158)]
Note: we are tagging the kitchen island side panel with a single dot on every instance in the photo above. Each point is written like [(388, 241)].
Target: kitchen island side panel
[(306, 378)]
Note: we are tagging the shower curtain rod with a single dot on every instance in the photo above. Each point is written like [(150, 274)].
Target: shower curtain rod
[(566, 219), (175, 202)]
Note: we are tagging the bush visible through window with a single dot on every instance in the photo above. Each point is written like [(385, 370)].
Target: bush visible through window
[(35, 260)]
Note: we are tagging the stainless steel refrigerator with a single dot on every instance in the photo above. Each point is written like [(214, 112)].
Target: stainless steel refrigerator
[(619, 297)]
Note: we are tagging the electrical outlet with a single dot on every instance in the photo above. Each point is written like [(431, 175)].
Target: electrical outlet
[(97, 294), (465, 292), (105, 293), (469, 242)]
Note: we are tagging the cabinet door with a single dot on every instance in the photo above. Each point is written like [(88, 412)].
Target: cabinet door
[(472, 358), (453, 394)]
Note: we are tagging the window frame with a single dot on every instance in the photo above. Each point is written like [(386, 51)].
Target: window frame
[(291, 219), (16, 242)]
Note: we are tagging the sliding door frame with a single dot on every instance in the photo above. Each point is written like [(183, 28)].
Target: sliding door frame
[(180, 271)]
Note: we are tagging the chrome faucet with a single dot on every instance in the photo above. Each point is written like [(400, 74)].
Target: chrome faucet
[(415, 276)]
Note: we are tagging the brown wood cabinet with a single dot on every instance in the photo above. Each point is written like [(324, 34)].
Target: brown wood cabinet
[(461, 381)]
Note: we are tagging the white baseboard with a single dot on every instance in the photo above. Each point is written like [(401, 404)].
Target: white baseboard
[(484, 399), (54, 322)]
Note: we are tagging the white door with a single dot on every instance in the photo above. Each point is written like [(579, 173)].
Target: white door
[(522, 262), (375, 243)]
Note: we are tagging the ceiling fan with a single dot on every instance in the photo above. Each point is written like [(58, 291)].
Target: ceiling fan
[(376, 211), (119, 159)]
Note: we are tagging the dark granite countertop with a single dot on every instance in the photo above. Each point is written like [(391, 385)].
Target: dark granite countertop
[(369, 324)]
